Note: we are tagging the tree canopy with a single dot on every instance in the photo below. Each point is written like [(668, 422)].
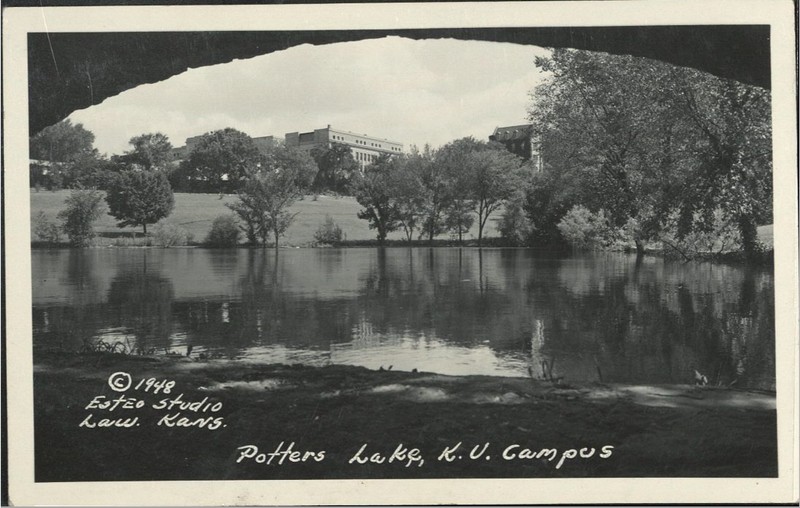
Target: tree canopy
[(139, 198), (659, 149), (62, 142), (152, 151), (219, 162)]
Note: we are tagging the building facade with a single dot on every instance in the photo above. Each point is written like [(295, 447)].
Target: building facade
[(365, 149), (521, 141)]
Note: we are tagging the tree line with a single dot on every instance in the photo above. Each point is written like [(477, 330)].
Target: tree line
[(636, 152)]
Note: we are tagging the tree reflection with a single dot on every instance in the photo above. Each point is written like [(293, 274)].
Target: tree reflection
[(140, 300)]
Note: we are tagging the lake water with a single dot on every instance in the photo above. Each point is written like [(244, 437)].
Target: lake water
[(585, 318)]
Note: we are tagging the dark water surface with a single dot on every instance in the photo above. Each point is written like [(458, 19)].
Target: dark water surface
[(448, 310)]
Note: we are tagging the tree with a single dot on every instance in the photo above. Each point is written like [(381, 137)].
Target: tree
[(730, 135), (219, 162), (434, 187), (150, 152), (337, 167), (408, 193), (139, 198), (657, 147), (600, 120), (62, 142), (480, 177), (374, 190), (299, 162), (83, 208), (494, 178), (265, 198)]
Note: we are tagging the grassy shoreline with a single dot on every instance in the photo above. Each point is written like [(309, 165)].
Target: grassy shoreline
[(195, 212), (654, 431)]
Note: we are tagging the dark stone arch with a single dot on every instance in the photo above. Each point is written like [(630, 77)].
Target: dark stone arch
[(71, 71)]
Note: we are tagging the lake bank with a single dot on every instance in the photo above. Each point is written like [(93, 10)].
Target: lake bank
[(652, 430)]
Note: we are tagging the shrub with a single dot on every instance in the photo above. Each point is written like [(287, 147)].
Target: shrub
[(167, 235), (45, 229), (328, 232), (224, 232), (83, 208), (583, 228)]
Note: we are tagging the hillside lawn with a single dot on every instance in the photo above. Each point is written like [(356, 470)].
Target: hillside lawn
[(196, 212)]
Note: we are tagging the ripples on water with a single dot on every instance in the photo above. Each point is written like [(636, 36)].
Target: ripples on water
[(446, 310)]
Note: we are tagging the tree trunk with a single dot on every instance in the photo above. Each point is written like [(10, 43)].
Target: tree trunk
[(639, 247), (276, 239), (749, 234), (145, 228)]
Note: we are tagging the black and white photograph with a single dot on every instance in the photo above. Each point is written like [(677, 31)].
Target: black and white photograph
[(492, 252)]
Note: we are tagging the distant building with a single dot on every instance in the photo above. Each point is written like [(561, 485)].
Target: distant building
[(365, 148), (521, 141)]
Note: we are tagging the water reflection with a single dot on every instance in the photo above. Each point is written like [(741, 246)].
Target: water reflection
[(457, 311)]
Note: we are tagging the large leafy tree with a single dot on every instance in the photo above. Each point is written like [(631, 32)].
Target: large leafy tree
[(479, 178), (729, 136), (494, 177), (409, 193), (375, 191), (62, 142), (152, 151), (658, 148), (219, 162), (337, 168), (267, 193), (139, 198)]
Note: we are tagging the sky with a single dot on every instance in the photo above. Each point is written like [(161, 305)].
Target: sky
[(414, 92)]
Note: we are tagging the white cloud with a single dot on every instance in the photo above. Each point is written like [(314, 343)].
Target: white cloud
[(416, 92)]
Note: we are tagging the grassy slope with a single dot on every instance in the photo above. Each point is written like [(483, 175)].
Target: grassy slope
[(195, 212)]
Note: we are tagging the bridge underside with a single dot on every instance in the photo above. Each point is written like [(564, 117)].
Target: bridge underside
[(71, 71)]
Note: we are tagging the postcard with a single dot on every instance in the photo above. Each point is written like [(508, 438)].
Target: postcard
[(428, 253)]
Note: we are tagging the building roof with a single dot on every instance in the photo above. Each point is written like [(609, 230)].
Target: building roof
[(512, 132)]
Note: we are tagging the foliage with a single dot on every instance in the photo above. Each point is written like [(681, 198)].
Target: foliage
[(723, 237), (480, 177), (62, 142), (328, 233), (374, 191), (664, 156), (139, 198), (166, 234), (83, 207), (150, 152), (299, 162), (585, 229), (219, 162), (224, 232), (264, 199), (337, 168), (514, 227), (434, 190), (45, 229)]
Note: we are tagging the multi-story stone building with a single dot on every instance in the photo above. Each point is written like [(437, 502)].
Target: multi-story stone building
[(365, 148), (520, 140)]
